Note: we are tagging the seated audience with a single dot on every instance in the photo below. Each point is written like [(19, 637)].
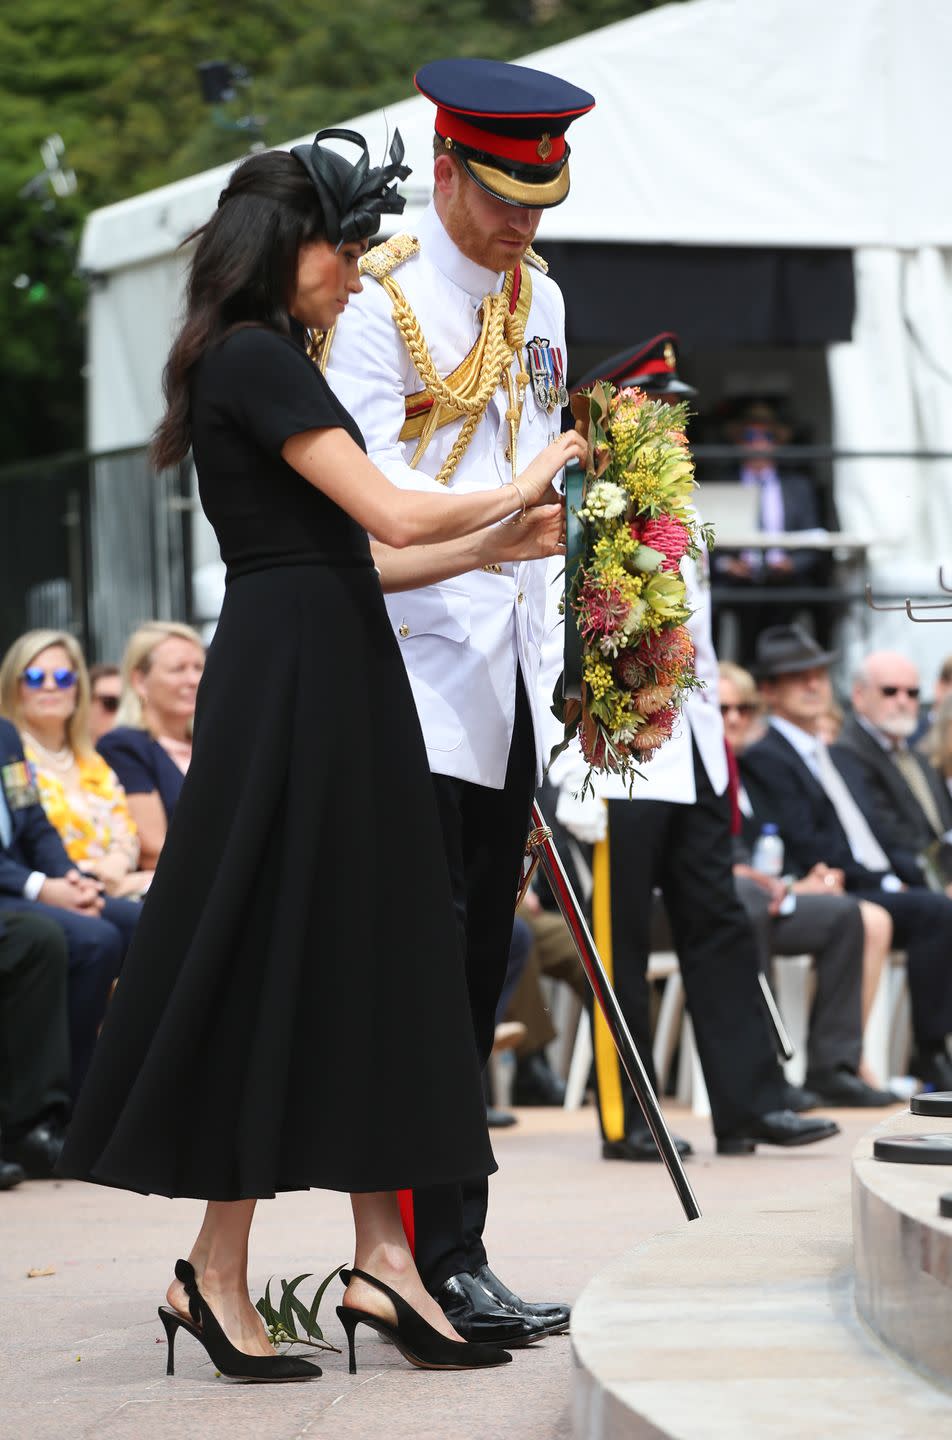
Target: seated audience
[(44, 691), (552, 954), (787, 501), (902, 797), (809, 914), (742, 708), (105, 692), (151, 746), (796, 782), (37, 877), (34, 1046), (937, 746)]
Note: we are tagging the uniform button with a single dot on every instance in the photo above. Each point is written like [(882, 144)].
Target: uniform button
[(520, 597)]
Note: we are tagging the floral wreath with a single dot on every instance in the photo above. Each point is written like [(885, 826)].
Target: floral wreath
[(629, 657)]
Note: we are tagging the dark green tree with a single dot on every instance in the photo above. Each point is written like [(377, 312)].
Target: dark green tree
[(117, 80)]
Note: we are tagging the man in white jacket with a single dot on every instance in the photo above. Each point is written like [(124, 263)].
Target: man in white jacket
[(452, 361), (674, 833)]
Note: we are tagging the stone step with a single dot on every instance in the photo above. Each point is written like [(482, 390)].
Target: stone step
[(744, 1325)]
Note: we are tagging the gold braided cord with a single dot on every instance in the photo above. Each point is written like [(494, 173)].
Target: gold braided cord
[(488, 366)]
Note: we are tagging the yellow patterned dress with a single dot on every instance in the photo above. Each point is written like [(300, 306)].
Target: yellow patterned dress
[(92, 818)]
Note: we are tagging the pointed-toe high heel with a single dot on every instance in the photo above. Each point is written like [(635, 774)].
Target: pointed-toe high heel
[(235, 1364), (413, 1336)]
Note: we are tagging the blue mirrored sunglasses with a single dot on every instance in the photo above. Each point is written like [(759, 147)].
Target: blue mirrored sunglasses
[(33, 677)]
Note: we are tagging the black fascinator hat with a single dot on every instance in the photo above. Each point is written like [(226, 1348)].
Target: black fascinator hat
[(353, 197)]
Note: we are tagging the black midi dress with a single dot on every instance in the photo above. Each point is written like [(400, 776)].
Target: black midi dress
[(293, 1011)]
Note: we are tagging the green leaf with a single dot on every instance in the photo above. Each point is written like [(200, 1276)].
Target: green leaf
[(316, 1302), (266, 1307), (286, 1313)]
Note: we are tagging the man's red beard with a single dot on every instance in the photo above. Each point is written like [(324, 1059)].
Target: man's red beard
[(484, 247)]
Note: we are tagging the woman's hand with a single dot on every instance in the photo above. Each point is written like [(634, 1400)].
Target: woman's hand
[(111, 869), (537, 477), (536, 535)]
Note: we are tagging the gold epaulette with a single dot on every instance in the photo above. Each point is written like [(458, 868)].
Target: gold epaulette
[(383, 259), (532, 257)]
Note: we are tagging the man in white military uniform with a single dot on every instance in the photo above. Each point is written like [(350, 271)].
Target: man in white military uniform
[(673, 832), (452, 361)]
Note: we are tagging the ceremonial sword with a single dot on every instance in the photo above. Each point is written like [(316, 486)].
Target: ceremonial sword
[(543, 852)]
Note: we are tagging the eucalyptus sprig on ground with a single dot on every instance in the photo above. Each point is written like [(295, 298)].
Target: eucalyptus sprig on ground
[(282, 1321)]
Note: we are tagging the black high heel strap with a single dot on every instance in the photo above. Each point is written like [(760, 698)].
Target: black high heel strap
[(185, 1275), (402, 1307)]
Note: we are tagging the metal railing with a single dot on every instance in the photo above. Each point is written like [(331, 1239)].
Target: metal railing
[(93, 544)]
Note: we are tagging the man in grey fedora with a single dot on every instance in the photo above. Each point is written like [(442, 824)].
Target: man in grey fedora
[(801, 785)]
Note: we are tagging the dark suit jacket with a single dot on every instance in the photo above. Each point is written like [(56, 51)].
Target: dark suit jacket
[(894, 812), (801, 511), (35, 844), (783, 791)]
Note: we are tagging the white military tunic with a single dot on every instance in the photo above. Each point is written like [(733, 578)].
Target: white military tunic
[(461, 639)]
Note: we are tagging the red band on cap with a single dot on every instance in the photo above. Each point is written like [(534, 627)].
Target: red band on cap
[(505, 147), (650, 367)]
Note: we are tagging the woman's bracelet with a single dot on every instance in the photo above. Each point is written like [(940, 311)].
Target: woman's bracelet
[(518, 489)]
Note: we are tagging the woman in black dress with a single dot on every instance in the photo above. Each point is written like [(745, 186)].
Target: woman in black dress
[(293, 1012)]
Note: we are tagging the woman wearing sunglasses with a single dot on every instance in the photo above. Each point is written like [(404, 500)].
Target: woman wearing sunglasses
[(44, 690)]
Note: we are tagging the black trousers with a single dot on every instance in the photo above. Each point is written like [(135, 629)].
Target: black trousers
[(685, 850), (922, 926), (484, 832), (830, 928), (97, 945), (34, 1038)]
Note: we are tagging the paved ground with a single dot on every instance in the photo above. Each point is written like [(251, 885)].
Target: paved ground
[(82, 1353)]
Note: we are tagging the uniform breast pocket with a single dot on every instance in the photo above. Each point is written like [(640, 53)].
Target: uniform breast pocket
[(433, 630)]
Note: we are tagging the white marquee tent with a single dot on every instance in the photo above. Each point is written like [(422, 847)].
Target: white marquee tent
[(801, 123)]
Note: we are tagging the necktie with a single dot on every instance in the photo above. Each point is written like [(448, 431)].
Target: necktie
[(862, 842), (911, 771)]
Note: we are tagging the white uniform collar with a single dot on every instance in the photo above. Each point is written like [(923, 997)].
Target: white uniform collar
[(440, 250)]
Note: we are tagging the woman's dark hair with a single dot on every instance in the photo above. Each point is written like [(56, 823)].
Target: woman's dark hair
[(243, 272)]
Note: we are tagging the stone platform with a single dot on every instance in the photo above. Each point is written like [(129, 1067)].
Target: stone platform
[(903, 1249), (743, 1324)]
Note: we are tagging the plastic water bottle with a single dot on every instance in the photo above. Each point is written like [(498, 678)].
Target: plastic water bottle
[(768, 852)]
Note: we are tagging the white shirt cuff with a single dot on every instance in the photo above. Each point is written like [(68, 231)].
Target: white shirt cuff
[(32, 888)]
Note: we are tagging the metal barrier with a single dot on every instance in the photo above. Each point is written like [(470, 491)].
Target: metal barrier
[(93, 544)]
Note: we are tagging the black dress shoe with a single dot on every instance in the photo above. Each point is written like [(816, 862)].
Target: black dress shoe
[(843, 1087), (777, 1127), (500, 1119), (934, 1070), (639, 1145), (10, 1174), (536, 1082), (554, 1317), (37, 1151), (799, 1098), (476, 1316)]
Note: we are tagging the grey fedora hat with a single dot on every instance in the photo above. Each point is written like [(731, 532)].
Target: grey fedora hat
[(787, 649)]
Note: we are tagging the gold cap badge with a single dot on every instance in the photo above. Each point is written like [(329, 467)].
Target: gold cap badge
[(544, 147)]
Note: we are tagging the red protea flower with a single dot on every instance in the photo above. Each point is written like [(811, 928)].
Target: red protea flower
[(592, 742), (629, 670), (601, 611), (652, 698), (654, 732), (665, 534), (669, 653)]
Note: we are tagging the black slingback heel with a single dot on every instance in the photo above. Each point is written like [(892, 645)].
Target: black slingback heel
[(413, 1336), (235, 1364)]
